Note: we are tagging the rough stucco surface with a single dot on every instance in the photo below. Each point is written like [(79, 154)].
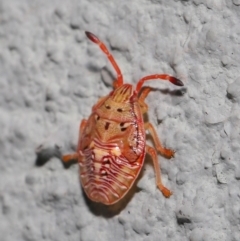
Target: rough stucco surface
[(51, 75)]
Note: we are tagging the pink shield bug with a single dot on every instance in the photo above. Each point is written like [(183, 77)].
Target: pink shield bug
[(112, 142)]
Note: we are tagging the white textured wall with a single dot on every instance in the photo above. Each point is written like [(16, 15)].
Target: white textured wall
[(51, 75)]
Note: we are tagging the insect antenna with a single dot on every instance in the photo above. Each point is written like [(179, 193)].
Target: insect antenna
[(119, 81), (170, 78)]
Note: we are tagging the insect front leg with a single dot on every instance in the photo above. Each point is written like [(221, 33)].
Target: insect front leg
[(152, 152), (74, 156), (142, 97), (168, 153)]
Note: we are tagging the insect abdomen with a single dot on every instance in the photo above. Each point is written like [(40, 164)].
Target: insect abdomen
[(106, 177)]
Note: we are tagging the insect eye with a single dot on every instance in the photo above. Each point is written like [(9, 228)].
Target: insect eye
[(108, 107), (120, 110)]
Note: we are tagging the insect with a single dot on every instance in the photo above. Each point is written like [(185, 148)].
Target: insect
[(112, 142)]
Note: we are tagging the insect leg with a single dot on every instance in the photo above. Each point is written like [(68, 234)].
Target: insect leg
[(102, 46), (70, 157), (168, 153), (142, 96), (74, 156), (170, 78), (152, 152), (82, 126)]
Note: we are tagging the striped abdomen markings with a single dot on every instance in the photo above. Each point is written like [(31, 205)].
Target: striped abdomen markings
[(106, 177)]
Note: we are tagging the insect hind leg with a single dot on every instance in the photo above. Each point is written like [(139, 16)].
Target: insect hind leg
[(69, 159)]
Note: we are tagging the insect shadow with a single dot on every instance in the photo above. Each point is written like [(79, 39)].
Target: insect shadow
[(167, 91), (44, 154)]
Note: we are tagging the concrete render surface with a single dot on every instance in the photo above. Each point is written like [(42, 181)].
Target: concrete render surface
[(50, 77)]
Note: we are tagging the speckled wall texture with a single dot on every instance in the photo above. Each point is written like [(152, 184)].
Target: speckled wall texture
[(51, 75)]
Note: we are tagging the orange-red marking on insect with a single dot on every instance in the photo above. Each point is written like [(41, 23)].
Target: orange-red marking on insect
[(112, 143)]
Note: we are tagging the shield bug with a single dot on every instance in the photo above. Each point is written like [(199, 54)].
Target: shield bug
[(112, 142)]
